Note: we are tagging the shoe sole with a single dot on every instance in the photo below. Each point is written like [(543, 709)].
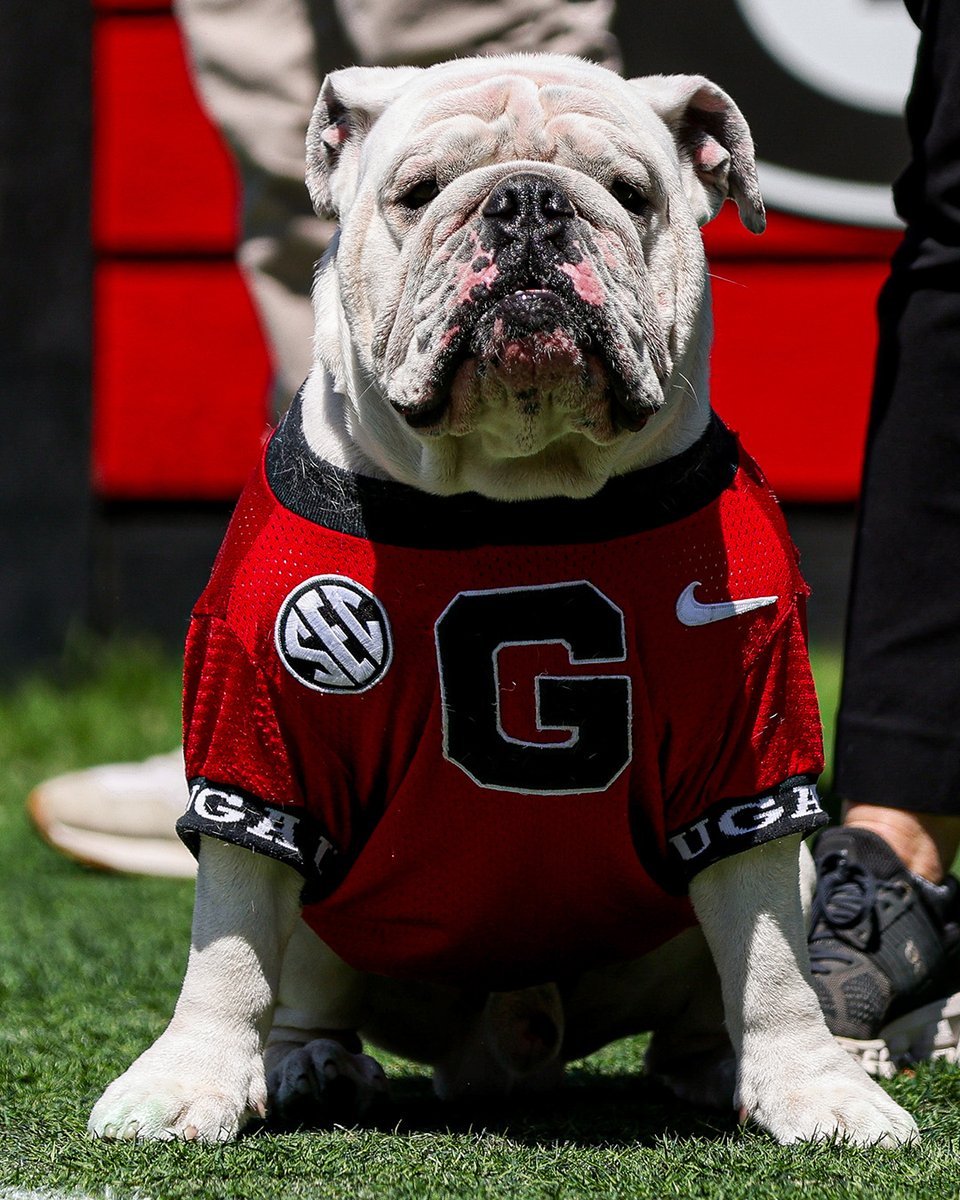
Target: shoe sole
[(107, 852), (927, 1034)]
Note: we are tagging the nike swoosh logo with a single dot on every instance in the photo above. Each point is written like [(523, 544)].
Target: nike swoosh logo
[(692, 612)]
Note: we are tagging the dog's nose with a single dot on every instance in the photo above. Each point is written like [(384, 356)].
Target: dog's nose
[(526, 204)]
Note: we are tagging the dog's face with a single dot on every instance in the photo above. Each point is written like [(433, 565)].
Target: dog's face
[(516, 301)]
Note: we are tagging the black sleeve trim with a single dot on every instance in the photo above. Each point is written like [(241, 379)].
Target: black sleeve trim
[(291, 835), (731, 826)]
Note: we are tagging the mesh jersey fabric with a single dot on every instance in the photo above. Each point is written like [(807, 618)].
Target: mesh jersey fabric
[(490, 763)]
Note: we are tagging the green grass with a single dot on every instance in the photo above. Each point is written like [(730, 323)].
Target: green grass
[(826, 662), (89, 969)]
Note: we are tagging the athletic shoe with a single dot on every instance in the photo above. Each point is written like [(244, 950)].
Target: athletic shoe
[(884, 953), (119, 816), (922, 1035)]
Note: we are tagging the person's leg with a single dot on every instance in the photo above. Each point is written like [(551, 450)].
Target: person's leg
[(421, 32), (257, 69), (898, 733), (925, 843), (885, 942)]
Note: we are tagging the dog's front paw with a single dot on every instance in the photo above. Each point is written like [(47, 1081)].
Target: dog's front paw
[(323, 1083), (177, 1090), (816, 1100)]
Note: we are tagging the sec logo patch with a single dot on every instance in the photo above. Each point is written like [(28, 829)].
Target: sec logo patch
[(334, 635)]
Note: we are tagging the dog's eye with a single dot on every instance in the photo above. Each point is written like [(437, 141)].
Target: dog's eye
[(420, 194), (627, 195)]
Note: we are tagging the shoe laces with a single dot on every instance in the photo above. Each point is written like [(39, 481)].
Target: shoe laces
[(844, 908)]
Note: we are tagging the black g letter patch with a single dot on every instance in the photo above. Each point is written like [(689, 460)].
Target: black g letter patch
[(333, 635), (594, 711)]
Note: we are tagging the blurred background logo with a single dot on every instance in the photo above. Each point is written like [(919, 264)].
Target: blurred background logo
[(821, 82)]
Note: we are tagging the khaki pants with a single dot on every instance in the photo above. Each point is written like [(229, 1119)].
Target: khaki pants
[(258, 66)]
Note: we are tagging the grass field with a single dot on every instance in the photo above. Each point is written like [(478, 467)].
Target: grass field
[(89, 969)]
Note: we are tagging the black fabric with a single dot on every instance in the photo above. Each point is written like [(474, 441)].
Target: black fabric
[(393, 514), (898, 735), (736, 825), (293, 836)]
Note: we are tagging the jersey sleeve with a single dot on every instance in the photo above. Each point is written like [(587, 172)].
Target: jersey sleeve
[(241, 768), (759, 760)]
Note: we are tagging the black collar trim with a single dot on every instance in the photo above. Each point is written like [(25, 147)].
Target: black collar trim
[(394, 514)]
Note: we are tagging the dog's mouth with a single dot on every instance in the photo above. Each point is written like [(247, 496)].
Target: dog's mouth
[(532, 342)]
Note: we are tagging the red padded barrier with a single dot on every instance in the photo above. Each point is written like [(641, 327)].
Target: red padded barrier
[(163, 181), (792, 369), (180, 381), (788, 237), (182, 372)]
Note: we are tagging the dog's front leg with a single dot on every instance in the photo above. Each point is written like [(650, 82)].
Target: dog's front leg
[(793, 1078), (203, 1078)]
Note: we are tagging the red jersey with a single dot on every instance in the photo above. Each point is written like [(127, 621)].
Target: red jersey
[(499, 738)]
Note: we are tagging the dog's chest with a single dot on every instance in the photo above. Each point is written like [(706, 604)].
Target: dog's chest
[(514, 747)]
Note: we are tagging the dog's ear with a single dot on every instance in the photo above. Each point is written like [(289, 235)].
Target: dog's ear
[(349, 103), (714, 143)]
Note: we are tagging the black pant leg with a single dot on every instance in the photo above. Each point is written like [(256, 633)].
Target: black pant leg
[(898, 734)]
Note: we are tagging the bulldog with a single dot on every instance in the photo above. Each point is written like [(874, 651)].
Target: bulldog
[(499, 723)]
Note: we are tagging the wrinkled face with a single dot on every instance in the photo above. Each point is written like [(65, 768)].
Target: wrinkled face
[(522, 272)]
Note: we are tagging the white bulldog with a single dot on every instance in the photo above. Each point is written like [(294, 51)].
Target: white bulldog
[(515, 308)]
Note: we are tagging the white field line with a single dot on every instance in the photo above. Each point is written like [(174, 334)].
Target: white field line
[(45, 1194), (52, 1194)]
